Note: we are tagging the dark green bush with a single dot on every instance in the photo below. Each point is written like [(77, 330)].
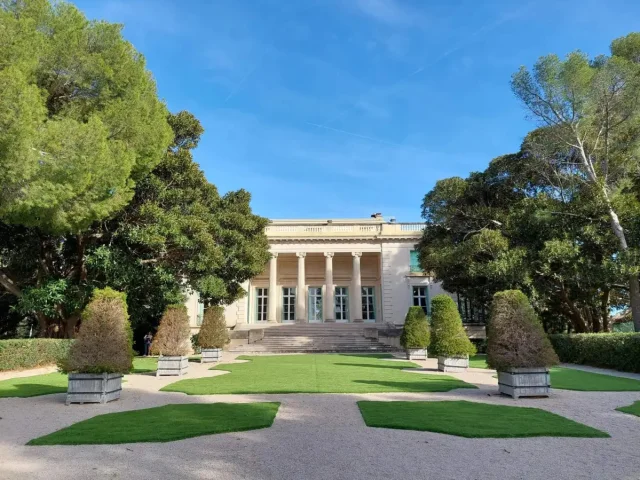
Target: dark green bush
[(620, 351), (448, 337), (213, 332), (31, 353), (415, 332), (515, 337)]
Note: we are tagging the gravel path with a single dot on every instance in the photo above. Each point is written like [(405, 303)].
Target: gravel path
[(322, 436)]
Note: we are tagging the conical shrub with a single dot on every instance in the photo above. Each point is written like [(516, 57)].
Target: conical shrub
[(213, 332), (172, 337), (448, 337), (415, 332), (515, 337), (105, 342)]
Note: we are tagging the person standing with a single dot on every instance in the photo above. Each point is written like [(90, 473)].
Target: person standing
[(148, 338)]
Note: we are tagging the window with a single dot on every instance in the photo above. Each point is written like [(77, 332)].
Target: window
[(414, 265), (200, 314), (262, 298), (315, 304), (368, 304), (421, 298), (288, 304), (342, 304)]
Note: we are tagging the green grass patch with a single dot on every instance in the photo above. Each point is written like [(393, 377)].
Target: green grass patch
[(633, 409), (472, 420), (164, 424), (50, 383), (34, 385), (571, 379), (317, 373)]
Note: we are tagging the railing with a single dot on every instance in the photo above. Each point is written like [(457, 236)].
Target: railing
[(344, 230)]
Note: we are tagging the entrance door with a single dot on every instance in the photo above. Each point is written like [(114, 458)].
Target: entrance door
[(341, 298), (262, 299), (288, 305), (315, 305)]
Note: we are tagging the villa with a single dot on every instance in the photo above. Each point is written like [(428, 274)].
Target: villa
[(341, 272)]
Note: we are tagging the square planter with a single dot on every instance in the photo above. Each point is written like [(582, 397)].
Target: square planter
[(94, 387), (525, 382), (416, 353), (210, 355), (453, 364), (172, 365)]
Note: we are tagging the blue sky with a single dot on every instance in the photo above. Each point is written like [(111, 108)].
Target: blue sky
[(343, 108)]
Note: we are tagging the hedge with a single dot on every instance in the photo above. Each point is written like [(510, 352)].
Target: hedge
[(31, 353), (619, 351)]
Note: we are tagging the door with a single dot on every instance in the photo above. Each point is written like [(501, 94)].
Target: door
[(315, 305), (262, 307), (341, 299)]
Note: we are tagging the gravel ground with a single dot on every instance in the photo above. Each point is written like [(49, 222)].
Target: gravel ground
[(322, 437)]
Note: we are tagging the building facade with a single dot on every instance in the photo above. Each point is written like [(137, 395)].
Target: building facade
[(333, 271)]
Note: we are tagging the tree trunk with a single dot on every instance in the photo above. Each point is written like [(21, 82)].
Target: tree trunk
[(604, 309)]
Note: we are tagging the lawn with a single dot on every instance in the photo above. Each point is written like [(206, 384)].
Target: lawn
[(571, 379), (317, 373), (472, 420), (633, 409), (50, 383), (164, 424)]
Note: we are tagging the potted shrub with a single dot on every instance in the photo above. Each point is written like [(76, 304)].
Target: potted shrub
[(517, 346), (213, 335), (102, 352), (172, 341), (449, 341), (415, 334)]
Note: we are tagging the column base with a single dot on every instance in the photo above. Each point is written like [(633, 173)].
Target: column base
[(329, 320), (301, 320), (358, 320), (271, 322)]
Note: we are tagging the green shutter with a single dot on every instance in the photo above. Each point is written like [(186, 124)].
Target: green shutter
[(414, 265)]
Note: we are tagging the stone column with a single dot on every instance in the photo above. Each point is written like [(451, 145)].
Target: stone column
[(272, 301), (356, 289), (329, 307), (301, 292)]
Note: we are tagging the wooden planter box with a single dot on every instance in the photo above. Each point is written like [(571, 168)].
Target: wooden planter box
[(453, 364), (210, 355), (94, 387), (172, 365), (525, 382), (416, 353)]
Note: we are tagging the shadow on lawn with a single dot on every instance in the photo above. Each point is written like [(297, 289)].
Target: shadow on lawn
[(426, 385), (368, 365)]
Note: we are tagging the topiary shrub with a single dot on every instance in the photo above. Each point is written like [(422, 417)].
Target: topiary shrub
[(516, 338), (448, 337), (415, 332), (104, 343), (213, 332), (173, 336)]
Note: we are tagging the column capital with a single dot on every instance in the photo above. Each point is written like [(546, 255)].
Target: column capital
[(328, 254), (274, 254), (301, 254), (356, 254)]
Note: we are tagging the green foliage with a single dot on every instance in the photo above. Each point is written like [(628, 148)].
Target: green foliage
[(448, 337), (213, 332), (104, 343), (173, 335), (31, 353), (516, 338), (618, 351), (72, 90), (415, 331)]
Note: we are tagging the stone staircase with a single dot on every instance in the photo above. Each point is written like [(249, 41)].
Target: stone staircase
[(313, 338)]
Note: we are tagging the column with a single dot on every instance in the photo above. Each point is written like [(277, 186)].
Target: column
[(272, 301), (329, 307), (356, 289), (301, 292)]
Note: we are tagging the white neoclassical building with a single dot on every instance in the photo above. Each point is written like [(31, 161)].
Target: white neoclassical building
[(335, 271)]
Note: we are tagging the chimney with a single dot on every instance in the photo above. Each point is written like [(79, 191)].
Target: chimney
[(376, 215)]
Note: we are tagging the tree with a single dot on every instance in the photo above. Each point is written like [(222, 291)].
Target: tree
[(173, 335), (448, 337), (213, 332), (590, 111), (515, 337), (104, 344), (415, 331), (72, 90)]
